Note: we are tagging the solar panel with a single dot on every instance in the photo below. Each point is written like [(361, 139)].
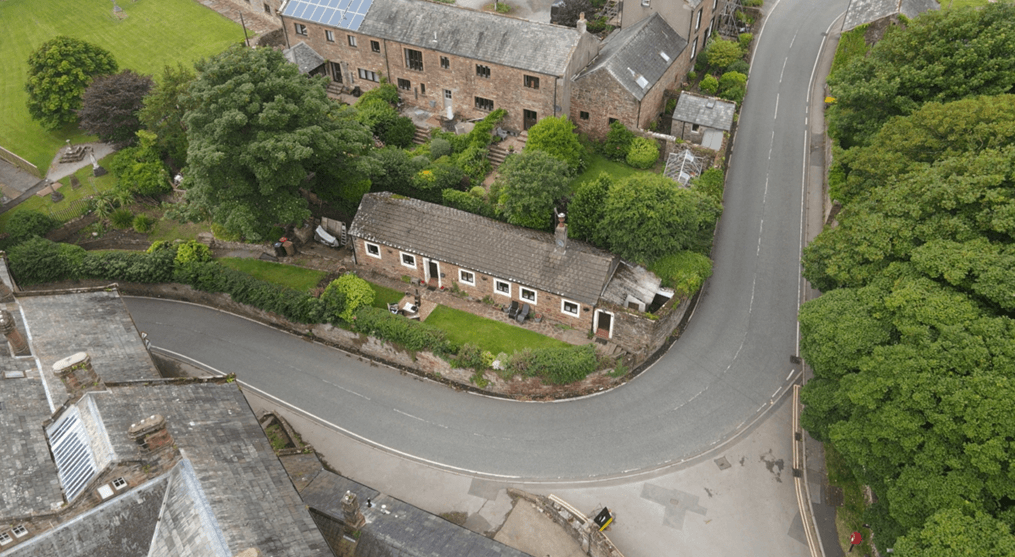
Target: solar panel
[(344, 14)]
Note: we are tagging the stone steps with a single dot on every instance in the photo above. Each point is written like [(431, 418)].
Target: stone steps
[(421, 136)]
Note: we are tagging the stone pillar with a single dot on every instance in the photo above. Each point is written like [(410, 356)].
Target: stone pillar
[(151, 434), (10, 329), (77, 373), (351, 514)]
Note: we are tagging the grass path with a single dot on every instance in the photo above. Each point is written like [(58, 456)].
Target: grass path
[(154, 33)]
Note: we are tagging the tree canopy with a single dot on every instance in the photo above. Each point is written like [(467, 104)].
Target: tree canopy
[(556, 136), (163, 112), (941, 56), (532, 183), (259, 132), (110, 106), (58, 73)]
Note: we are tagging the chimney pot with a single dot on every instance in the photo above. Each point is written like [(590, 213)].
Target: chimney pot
[(10, 330), (351, 514)]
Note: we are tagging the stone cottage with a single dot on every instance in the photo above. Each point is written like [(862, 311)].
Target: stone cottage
[(702, 120)]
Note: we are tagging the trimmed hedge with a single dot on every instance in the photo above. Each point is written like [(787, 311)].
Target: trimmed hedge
[(410, 334)]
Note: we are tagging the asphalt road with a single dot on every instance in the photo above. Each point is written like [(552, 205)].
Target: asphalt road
[(731, 363)]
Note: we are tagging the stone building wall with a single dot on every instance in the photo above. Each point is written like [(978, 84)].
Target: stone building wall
[(642, 336)]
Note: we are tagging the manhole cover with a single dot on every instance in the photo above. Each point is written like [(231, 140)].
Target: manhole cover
[(722, 463)]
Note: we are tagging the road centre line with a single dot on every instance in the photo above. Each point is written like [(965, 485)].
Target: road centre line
[(776, 116)]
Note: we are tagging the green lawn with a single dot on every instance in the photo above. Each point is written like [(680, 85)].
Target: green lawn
[(955, 4), (297, 278), (384, 296), (598, 164), (154, 33), (73, 202), (488, 334)]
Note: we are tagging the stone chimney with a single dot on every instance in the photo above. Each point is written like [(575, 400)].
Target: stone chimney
[(6, 295), (77, 373), (351, 514), (151, 434), (560, 235), (10, 330), (581, 23)]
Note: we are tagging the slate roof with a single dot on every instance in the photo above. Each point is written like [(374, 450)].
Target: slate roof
[(504, 251), (517, 43), (860, 12), (695, 109), (397, 529), (634, 56), (305, 57)]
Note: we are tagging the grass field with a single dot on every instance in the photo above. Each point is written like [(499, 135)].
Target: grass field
[(487, 334), (297, 278), (74, 202), (384, 296), (597, 164), (154, 33)]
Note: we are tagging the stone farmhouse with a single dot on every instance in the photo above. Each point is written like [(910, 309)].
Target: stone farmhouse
[(564, 280), (460, 64)]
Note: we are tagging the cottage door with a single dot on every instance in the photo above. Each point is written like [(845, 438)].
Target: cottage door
[(603, 324), (335, 70), (435, 274)]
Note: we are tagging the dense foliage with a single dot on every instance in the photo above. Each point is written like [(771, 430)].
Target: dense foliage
[(110, 106), (164, 109), (58, 73), (139, 169), (585, 211), (532, 184), (259, 132), (24, 225), (555, 136), (644, 153)]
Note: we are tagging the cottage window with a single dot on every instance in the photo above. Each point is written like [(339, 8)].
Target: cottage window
[(267, 9), (445, 63), (532, 82), (714, 4), (502, 287), (483, 71), (484, 104), (694, 127), (697, 23), (20, 531), (447, 93), (404, 84), (5, 538), (408, 260), (375, 46), (527, 294), (301, 29), (612, 120), (422, 88), (694, 48), (568, 307), (413, 59), (466, 277), (367, 75), (583, 115), (329, 36), (352, 41), (373, 250)]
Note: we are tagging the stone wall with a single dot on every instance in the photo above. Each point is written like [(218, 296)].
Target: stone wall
[(581, 528), (641, 335)]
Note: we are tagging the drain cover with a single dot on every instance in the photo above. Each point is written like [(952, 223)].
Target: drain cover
[(722, 463)]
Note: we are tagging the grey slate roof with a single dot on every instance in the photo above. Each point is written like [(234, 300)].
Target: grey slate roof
[(634, 55), (397, 529), (517, 43), (305, 57), (484, 245), (866, 11), (694, 109)]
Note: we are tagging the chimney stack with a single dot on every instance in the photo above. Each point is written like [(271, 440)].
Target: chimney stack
[(77, 373), (14, 336), (150, 433), (351, 514), (581, 23), (560, 234)]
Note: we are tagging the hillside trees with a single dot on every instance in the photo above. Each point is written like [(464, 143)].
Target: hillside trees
[(258, 132), (58, 72)]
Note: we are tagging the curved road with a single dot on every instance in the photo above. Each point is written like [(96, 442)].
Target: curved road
[(731, 361)]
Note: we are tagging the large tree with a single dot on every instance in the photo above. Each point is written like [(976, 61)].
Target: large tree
[(647, 216), (164, 109), (110, 106), (259, 132), (58, 72), (556, 136), (532, 184), (940, 56)]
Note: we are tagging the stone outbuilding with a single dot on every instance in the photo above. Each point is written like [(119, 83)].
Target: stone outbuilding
[(702, 120)]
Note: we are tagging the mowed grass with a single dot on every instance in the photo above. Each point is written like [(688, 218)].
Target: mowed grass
[(154, 34), (297, 278), (384, 296), (487, 334), (74, 201), (599, 164)]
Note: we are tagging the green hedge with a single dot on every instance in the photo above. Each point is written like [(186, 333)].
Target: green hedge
[(410, 334), (557, 366)]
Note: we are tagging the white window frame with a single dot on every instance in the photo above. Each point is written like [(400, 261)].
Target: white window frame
[(301, 29), (368, 75), (497, 282), (694, 50), (401, 258), (697, 23), (352, 41), (595, 324), (329, 35), (19, 531), (521, 294), (461, 277), (368, 245), (714, 4), (5, 538), (577, 306)]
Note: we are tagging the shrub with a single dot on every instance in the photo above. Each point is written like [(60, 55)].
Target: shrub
[(143, 224), (557, 366), (836, 180), (739, 66), (684, 271), (585, 211), (733, 86), (479, 192), (192, 252), (473, 162), (399, 132), (39, 260), (386, 92), (355, 291), (671, 105), (410, 334), (722, 53), (437, 177), (122, 218), (210, 276), (25, 224), (470, 356), (439, 147), (643, 154), (555, 136), (467, 202), (744, 40), (618, 142), (710, 183), (709, 84), (144, 267), (691, 76), (139, 169)]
